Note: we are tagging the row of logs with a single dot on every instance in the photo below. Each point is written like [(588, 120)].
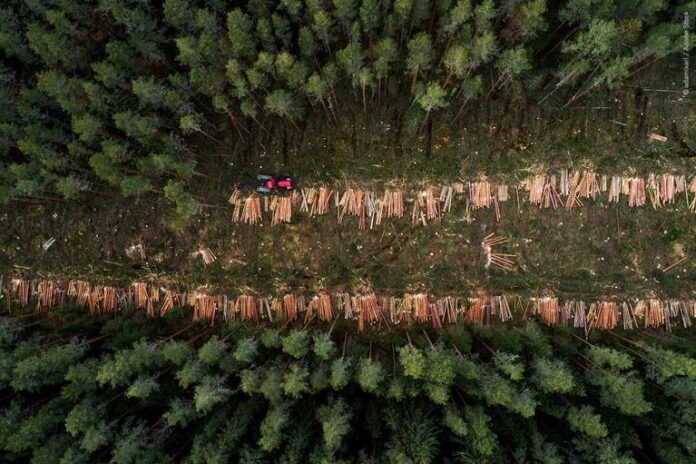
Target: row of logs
[(366, 309), (567, 190)]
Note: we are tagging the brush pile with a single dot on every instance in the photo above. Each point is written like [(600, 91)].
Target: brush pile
[(207, 255), (501, 260)]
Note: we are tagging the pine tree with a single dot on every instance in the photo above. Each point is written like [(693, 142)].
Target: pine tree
[(552, 376), (412, 361), (369, 375), (212, 351), (296, 344), (420, 56), (272, 384), (414, 435), (282, 103), (335, 423), (295, 381), (180, 412), (324, 347), (434, 98), (246, 350), (271, 429), (586, 421), (341, 372), (47, 368), (210, 392)]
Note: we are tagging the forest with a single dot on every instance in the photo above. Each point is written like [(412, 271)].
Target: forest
[(127, 389), (445, 154), (135, 98)]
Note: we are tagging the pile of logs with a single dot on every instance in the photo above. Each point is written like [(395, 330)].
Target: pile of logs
[(636, 191), (447, 309), (20, 288), (446, 194), (603, 315), (368, 310), (480, 194), (109, 302), (245, 306), (292, 305), (316, 201), (392, 204), (547, 309), (479, 309), (615, 189), (141, 296), (246, 210), (416, 306), (692, 189), (500, 307), (49, 295), (286, 307), (321, 306), (353, 203), (282, 210), (251, 212), (430, 204), (168, 302), (204, 308), (542, 191), (662, 189)]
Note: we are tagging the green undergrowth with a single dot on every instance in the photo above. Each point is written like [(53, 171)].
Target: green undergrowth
[(593, 251)]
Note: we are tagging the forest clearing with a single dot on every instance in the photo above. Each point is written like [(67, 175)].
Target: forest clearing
[(347, 231)]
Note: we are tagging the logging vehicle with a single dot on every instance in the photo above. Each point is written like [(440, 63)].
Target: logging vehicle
[(268, 184)]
